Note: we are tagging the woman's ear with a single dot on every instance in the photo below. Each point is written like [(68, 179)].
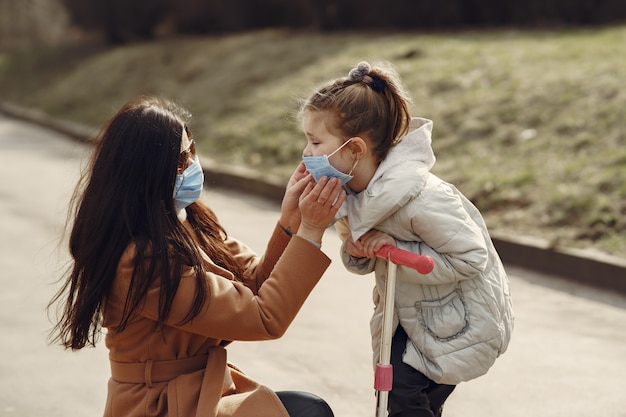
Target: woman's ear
[(358, 147)]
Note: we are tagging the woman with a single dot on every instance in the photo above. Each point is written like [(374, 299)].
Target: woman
[(153, 266)]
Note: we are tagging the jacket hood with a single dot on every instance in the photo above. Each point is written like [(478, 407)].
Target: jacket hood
[(398, 179), (414, 147)]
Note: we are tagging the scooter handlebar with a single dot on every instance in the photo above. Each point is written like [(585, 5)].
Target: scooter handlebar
[(423, 264)]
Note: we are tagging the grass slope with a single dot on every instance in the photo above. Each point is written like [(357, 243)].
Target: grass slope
[(529, 125)]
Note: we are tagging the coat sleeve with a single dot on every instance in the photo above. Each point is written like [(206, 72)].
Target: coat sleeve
[(233, 311), (448, 234), (258, 269), (360, 266)]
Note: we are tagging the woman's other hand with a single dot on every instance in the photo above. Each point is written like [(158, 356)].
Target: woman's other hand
[(318, 205), (289, 212)]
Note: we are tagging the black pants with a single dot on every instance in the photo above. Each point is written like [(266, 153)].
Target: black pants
[(412, 393), (304, 404)]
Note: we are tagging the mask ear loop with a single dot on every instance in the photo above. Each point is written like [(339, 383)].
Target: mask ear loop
[(354, 166), (355, 162), (339, 148)]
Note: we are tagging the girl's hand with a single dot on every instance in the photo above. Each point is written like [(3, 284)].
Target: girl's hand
[(290, 214), (318, 205), (368, 244)]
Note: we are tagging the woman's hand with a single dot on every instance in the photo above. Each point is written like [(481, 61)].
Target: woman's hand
[(290, 213), (367, 245), (318, 205)]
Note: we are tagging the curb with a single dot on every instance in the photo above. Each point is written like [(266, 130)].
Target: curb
[(588, 267)]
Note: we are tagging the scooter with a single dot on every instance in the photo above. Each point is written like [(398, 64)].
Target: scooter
[(383, 377)]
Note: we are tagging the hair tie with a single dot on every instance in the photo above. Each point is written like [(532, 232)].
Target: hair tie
[(360, 74), (377, 85)]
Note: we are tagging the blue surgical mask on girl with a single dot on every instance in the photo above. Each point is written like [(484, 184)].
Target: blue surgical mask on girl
[(188, 186), (319, 166)]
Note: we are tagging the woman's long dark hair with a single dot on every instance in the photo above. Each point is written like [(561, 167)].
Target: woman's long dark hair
[(125, 196)]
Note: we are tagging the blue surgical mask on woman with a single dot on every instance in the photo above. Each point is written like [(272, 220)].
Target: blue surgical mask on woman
[(188, 186), (319, 166)]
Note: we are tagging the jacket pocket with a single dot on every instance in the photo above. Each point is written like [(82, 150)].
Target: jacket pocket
[(446, 318)]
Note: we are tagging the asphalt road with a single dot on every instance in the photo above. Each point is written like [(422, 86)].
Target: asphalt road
[(567, 356)]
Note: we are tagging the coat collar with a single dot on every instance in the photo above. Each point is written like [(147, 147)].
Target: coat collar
[(398, 179)]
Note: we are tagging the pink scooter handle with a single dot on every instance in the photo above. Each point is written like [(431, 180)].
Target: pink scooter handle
[(423, 264)]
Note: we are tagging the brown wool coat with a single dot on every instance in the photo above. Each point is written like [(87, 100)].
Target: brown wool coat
[(183, 371)]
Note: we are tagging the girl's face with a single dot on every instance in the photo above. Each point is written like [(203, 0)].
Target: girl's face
[(320, 140)]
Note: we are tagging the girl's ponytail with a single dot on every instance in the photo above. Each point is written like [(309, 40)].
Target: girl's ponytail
[(370, 101)]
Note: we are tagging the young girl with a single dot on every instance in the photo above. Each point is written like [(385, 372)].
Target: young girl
[(451, 324)]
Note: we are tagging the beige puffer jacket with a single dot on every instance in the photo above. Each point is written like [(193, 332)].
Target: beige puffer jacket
[(459, 317)]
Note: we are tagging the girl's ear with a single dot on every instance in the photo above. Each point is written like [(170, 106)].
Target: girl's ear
[(358, 146)]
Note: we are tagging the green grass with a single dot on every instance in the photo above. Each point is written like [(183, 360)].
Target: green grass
[(529, 125)]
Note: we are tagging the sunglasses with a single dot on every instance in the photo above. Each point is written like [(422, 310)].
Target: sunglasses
[(185, 155)]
